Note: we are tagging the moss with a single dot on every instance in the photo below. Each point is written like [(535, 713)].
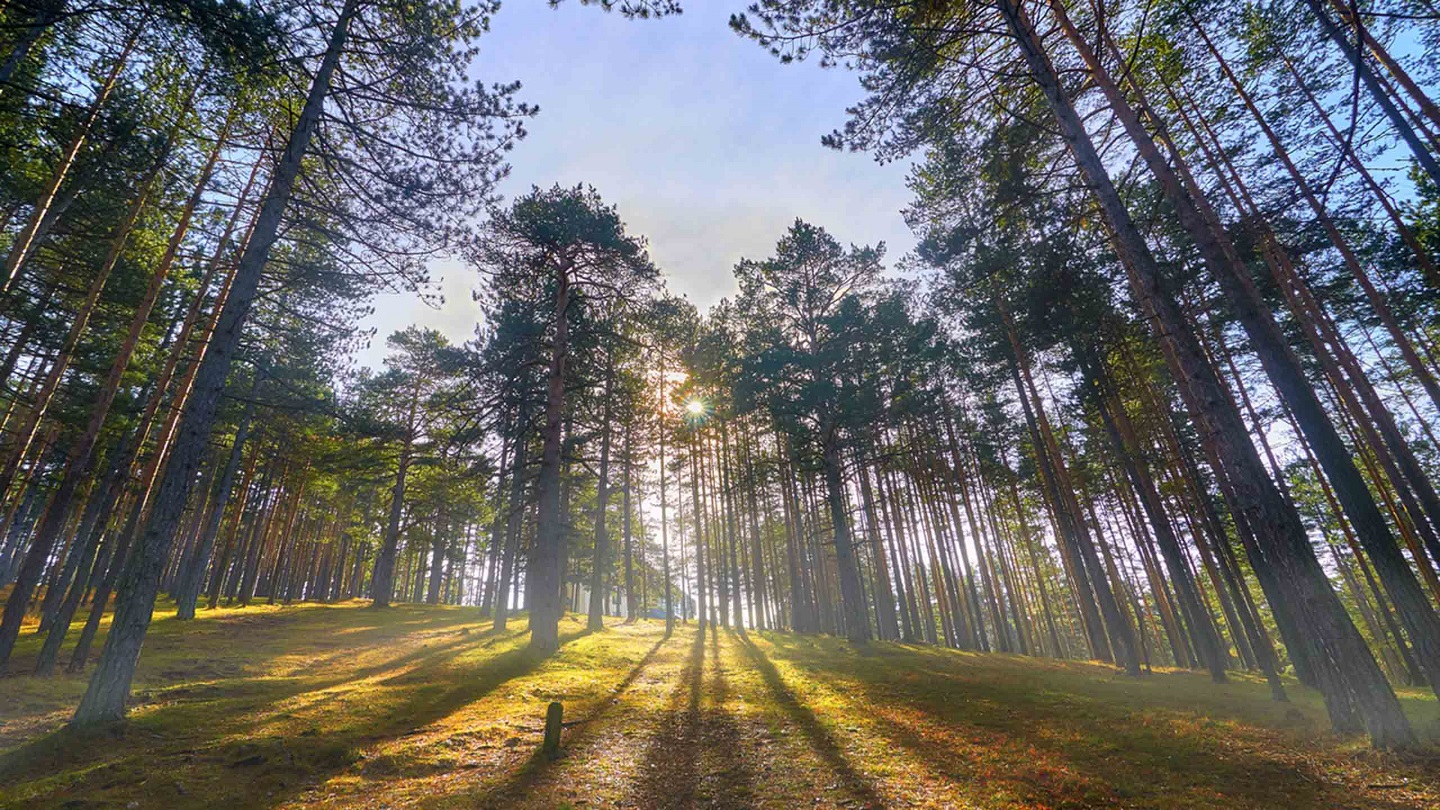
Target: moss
[(341, 706)]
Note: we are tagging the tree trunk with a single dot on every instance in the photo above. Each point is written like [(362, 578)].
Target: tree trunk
[(382, 582), (596, 620), (20, 249), (1281, 364), (546, 570), (631, 606), (1122, 437), (110, 685), (1350, 677)]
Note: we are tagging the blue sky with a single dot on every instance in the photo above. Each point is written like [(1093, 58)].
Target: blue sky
[(709, 146)]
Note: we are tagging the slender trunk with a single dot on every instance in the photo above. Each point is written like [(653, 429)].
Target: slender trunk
[(1124, 442), (382, 582), (45, 14), (21, 248), (188, 592), (631, 606), (1281, 364), (110, 685), (1418, 148), (1349, 16), (77, 464), (664, 517), (1349, 677), (885, 619), (702, 591), (546, 571), (515, 514), (596, 619)]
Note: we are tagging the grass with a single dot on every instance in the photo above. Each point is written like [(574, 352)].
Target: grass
[(343, 707)]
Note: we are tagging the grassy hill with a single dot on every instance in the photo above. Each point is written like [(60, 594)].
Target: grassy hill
[(343, 707)]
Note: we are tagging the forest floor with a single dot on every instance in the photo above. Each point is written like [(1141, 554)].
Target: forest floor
[(344, 707)]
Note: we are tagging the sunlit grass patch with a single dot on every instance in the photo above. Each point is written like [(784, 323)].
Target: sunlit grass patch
[(346, 707), (1009, 731)]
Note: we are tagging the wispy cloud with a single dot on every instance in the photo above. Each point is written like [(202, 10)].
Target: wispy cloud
[(708, 146)]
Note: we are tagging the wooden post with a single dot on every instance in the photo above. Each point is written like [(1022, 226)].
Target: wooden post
[(553, 716)]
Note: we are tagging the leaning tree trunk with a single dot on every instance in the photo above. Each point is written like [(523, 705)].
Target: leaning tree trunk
[(1281, 364), (78, 462), (110, 685), (193, 573), (1407, 234), (1349, 676), (1378, 301), (45, 14), (1428, 109), (45, 395), (1122, 437), (20, 249), (76, 467), (1099, 608), (1418, 149)]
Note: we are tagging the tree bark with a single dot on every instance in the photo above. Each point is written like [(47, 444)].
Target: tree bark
[(1350, 677), (110, 685), (546, 570)]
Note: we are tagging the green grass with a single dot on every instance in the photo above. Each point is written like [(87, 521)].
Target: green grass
[(343, 707)]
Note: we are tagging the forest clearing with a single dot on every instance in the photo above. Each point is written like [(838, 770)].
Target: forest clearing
[(737, 403), (342, 707)]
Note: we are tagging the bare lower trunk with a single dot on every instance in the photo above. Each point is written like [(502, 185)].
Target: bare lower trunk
[(852, 600), (1281, 364), (514, 515), (547, 556), (601, 562), (1349, 678), (110, 685)]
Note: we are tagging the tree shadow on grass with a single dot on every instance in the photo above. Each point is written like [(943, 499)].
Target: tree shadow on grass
[(675, 772), (515, 790), (263, 769), (732, 771), (1057, 763), (671, 771), (856, 784), (201, 689), (1007, 738)]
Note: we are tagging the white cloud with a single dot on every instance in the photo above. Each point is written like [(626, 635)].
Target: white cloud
[(709, 146)]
